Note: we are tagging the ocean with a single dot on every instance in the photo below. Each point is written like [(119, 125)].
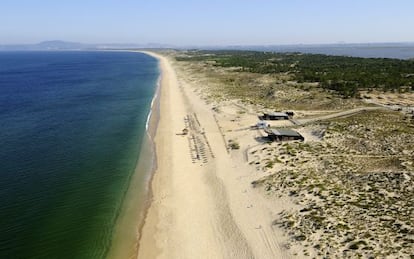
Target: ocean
[(72, 126)]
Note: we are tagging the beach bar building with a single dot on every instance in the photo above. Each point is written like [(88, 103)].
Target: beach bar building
[(274, 116), (283, 135)]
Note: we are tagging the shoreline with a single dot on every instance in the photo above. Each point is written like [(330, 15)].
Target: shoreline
[(139, 201), (151, 131), (154, 122)]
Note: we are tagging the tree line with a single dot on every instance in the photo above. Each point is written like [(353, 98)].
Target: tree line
[(345, 75)]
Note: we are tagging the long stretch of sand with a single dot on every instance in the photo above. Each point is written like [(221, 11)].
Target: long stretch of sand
[(202, 208)]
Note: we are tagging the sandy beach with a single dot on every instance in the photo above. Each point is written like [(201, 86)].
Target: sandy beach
[(203, 203)]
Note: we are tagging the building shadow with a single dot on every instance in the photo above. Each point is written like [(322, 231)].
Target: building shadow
[(262, 139)]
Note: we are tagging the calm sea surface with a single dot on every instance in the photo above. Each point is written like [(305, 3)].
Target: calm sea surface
[(71, 126)]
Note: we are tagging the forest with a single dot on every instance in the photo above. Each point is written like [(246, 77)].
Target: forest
[(345, 75)]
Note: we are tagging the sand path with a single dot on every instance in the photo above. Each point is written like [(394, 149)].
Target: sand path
[(337, 115)]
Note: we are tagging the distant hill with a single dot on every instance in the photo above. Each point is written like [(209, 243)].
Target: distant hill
[(67, 45), (47, 45), (58, 44)]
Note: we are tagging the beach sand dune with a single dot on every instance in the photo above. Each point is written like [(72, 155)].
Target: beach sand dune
[(203, 205)]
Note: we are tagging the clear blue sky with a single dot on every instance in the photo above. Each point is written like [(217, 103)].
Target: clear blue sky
[(207, 22)]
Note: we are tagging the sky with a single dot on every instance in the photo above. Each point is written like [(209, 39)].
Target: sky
[(207, 22)]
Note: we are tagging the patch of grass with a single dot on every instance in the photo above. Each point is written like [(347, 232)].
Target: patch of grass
[(233, 144), (269, 164)]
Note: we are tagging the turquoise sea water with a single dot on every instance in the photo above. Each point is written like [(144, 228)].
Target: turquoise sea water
[(71, 126)]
